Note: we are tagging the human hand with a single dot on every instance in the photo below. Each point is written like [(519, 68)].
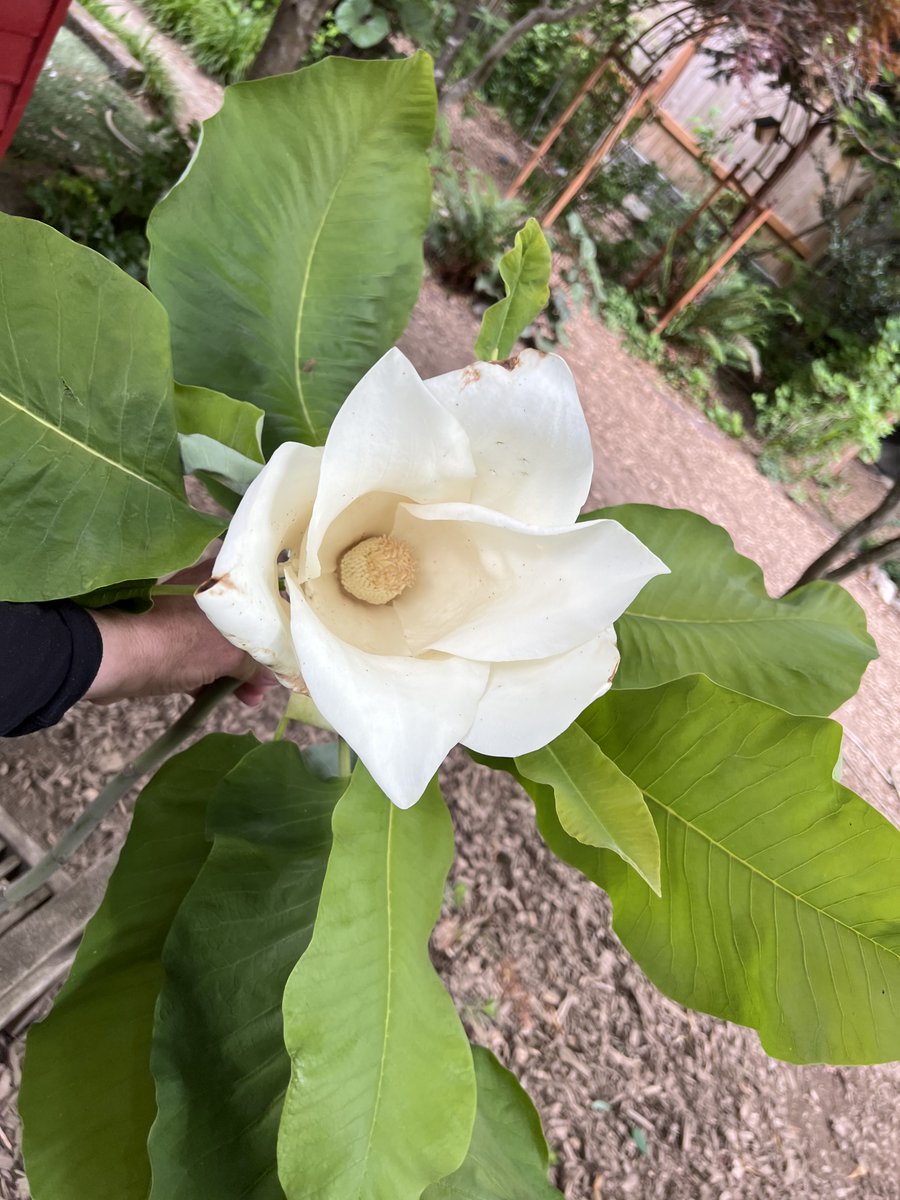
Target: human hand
[(170, 648)]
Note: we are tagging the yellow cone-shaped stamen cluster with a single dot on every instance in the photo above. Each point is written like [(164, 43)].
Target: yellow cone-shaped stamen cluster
[(377, 570)]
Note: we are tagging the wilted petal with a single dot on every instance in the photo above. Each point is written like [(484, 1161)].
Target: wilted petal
[(512, 591), (389, 436), (244, 601), (400, 715), (529, 438), (528, 704)]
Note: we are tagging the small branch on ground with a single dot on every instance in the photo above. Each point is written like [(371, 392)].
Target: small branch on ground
[(820, 568), (866, 558), (148, 760)]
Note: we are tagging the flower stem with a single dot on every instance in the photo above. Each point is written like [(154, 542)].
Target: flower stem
[(173, 589), (147, 761), (281, 727)]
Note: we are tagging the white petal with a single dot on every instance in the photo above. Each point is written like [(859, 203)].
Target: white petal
[(529, 438), (244, 602), (511, 591), (392, 436), (528, 704), (400, 715)]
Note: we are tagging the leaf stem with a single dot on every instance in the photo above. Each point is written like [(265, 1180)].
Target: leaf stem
[(146, 761)]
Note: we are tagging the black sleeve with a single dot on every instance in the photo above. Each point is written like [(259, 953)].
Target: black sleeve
[(49, 655)]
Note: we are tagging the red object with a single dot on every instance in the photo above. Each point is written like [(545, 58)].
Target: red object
[(27, 30)]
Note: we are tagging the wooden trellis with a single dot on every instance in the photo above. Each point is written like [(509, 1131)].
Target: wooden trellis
[(668, 46)]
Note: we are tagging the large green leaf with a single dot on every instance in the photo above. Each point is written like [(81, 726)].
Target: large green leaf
[(289, 256), (508, 1157), (382, 1093), (712, 615), (525, 271), (91, 488), (218, 1050), (87, 1096), (780, 904), (595, 802)]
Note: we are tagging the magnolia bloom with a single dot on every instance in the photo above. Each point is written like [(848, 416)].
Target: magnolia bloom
[(435, 588)]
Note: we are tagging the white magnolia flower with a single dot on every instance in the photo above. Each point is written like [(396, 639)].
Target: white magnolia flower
[(436, 588)]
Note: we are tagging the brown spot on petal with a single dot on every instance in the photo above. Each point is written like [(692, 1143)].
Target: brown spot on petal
[(470, 375), (222, 581), (509, 364), (613, 674)]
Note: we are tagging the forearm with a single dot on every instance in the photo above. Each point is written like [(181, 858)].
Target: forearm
[(49, 657)]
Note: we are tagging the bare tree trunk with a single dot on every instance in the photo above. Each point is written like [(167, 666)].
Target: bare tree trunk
[(542, 15), (289, 37), (849, 538), (454, 42)]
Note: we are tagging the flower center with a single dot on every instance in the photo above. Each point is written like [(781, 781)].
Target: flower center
[(377, 570)]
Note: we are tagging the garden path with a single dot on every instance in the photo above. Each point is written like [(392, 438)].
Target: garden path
[(199, 97)]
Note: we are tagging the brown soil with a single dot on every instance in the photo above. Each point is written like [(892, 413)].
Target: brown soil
[(527, 949)]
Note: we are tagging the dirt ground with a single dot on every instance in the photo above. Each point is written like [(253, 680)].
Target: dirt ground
[(640, 1098)]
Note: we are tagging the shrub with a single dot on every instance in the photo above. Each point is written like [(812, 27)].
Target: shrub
[(108, 208), (848, 399), (223, 36), (471, 223)]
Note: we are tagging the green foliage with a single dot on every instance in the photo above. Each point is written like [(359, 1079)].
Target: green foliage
[(712, 614), (830, 384), (366, 23), (218, 1054), (507, 1157), (223, 36), (220, 441), (870, 125), (87, 1097), (848, 399), (470, 223), (729, 324), (107, 208), (525, 271), (362, 21), (541, 72), (367, 1115), (780, 888), (290, 287), (595, 802), (94, 418), (854, 287)]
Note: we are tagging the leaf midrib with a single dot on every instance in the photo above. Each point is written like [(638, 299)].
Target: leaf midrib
[(84, 446), (505, 320), (798, 900), (376, 1106), (350, 162), (718, 620)]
